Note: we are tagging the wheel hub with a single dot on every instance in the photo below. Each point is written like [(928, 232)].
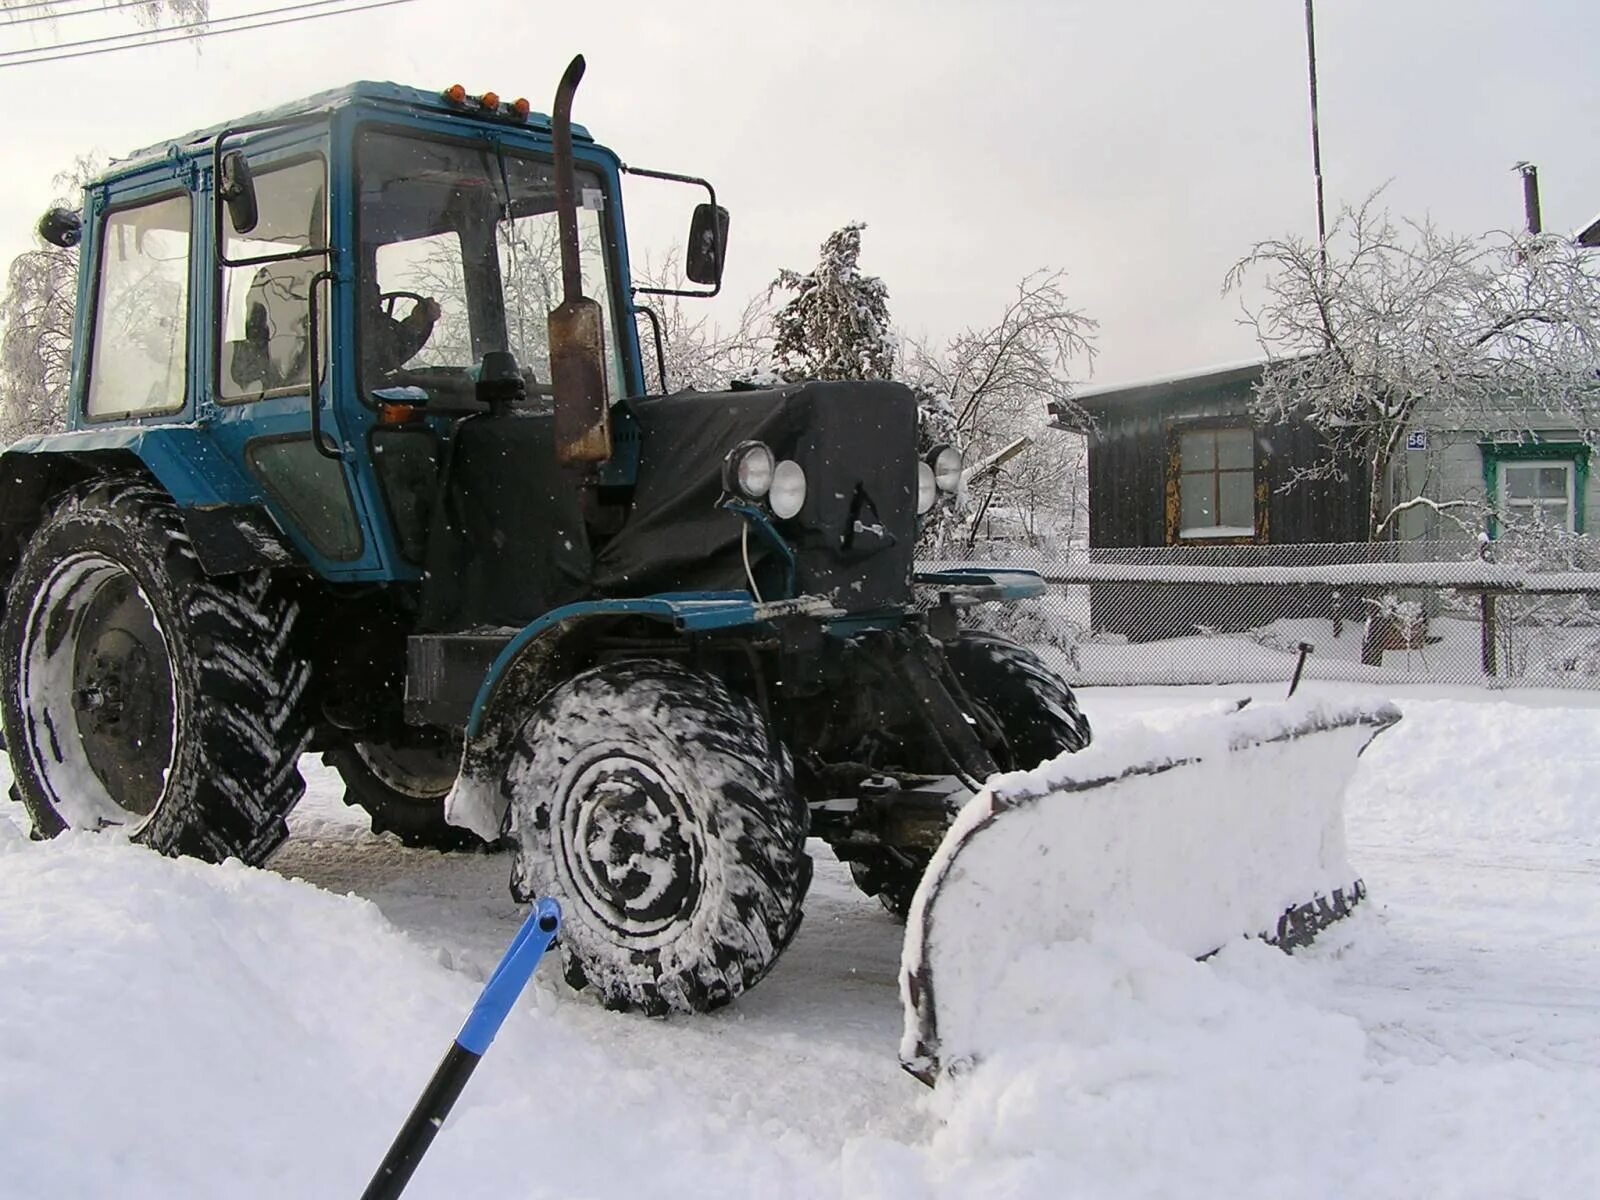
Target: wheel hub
[(633, 850), (99, 675)]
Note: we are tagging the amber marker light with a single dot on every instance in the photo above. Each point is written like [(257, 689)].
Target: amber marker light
[(455, 94), (521, 107), (490, 100)]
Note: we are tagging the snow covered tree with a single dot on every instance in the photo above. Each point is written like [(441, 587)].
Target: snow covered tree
[(991, 387), (36, 326), (836, 324), (1403, 322)]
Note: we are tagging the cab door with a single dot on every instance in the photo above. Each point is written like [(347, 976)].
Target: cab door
[(267, 342)]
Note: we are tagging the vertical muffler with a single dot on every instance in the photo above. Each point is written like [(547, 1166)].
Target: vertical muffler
[(577, 328)]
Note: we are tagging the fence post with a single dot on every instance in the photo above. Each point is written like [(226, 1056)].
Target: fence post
[(1486, 600)]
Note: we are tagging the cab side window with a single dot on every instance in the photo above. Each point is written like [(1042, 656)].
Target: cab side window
[(139, 362), (266, 314)]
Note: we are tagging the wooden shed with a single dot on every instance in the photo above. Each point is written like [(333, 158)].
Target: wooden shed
[(1180, 462)]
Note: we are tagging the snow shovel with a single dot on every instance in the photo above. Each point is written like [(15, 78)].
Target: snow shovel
[(471, 1044), (1225, 825)]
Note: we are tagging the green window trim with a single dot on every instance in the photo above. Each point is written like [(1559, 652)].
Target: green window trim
[(1495, 453)]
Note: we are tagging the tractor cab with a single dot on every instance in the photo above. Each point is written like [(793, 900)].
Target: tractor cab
[(402, 249)]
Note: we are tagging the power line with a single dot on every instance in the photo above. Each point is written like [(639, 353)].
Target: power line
[(191, 32), (192, 29)]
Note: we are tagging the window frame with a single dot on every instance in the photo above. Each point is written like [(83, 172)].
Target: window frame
[(619, 280), (103, 219), (310, 387), (1570, 454), (1176, 430)]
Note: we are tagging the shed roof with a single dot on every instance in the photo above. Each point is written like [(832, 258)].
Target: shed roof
[(1589, 235), (1157, 391)]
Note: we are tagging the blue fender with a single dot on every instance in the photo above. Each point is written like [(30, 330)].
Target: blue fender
[(532, 663), (966, 586), (183, 459)]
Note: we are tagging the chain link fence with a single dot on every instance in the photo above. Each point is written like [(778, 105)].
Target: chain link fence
[(1486, 614)]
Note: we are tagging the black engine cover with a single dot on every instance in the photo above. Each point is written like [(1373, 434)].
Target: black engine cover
[(855, 535)]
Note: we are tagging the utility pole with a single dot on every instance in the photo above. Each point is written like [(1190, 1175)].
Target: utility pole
[(1316, 138)]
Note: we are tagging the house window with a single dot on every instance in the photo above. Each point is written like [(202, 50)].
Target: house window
[(1216, 483), (1535, 483), (1537, 493)]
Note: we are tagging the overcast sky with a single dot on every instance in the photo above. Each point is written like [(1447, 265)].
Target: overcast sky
[(1140, 146)]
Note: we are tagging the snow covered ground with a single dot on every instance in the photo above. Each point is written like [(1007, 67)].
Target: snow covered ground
[(173, 1029)]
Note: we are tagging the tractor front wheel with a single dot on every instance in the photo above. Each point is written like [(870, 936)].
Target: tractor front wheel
[(655, 805), (1030, 715), (141, 694), (1030, 704)]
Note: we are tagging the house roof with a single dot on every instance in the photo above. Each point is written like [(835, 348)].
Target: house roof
[(1589, 235), (1156, 390)]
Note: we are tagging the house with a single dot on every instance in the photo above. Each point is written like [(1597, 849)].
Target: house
[(1179, 462)]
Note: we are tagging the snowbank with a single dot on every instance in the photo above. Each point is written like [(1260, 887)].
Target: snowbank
[(174, 1029), (177, 1030), (1132, 1072), (1457, 771)]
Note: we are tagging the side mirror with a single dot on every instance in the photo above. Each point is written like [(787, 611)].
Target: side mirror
[(237, 188), (61, 228), (708, 244)]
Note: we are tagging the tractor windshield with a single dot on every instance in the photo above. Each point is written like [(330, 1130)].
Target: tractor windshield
[(459, 256)]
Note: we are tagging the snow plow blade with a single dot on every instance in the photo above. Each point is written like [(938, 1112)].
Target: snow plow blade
[(1224, 825)]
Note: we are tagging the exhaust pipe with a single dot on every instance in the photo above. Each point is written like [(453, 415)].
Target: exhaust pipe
[(577, 328)]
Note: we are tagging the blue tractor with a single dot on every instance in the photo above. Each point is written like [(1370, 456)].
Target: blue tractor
[(361, 460)]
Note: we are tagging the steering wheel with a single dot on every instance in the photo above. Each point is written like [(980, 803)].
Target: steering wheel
[(389, 299)]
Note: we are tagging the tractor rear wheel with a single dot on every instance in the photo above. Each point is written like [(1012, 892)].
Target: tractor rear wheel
[(403, 789), (139, 693), (656, 806), (1023, 701)]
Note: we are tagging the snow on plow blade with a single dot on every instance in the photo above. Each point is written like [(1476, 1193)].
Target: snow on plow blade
[(1224, 826)]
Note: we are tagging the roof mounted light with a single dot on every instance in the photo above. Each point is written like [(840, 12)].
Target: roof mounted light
[(521, 107), (455, 94), (490, 100)]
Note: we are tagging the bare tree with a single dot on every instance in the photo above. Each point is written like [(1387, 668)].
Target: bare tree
[(36, 326), (1402, 322), (154, 14), (991, 387), (700, 351)]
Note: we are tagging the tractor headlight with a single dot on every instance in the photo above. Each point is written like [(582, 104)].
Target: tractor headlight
[(747, 471), (947, 467), (787, 495), (927, 489)]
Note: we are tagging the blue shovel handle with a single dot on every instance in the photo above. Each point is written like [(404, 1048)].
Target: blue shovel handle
[(483, 1022), (510, 977)]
